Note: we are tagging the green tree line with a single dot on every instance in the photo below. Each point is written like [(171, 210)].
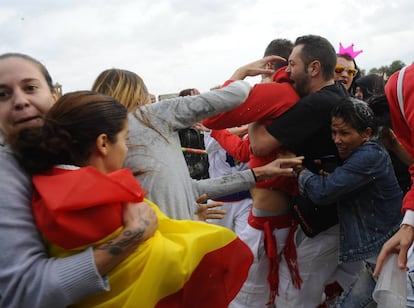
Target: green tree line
[(387, 70)]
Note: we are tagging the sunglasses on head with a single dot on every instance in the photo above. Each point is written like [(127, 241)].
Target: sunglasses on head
[(350, 71)]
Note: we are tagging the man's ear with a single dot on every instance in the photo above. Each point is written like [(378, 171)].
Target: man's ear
[(102, 144), (314, 68)]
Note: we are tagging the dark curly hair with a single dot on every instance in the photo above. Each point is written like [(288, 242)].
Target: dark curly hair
[(357, 114)]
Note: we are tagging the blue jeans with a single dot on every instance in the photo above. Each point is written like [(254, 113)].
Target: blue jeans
[(360, 293)]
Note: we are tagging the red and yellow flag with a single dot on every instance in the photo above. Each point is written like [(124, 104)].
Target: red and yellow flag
[(185, 264)]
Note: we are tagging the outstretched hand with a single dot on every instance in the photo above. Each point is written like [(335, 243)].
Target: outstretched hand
[(278, 167), (262, 66), (399, 243), (286, 164), (208, 210)]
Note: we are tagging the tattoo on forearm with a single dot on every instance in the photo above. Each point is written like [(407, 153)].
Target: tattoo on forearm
[(116, 247)]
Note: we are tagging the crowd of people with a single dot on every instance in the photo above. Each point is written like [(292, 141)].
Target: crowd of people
[(299, 185)]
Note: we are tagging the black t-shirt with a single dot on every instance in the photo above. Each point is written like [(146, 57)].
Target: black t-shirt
[(305, 129)]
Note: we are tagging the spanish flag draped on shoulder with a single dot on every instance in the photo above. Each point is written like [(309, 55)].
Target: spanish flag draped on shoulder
[(185, 264)]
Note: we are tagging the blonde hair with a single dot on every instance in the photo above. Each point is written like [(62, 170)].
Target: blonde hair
[(126, 87)]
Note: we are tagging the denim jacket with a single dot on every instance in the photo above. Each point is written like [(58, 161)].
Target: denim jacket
[(368, 197)]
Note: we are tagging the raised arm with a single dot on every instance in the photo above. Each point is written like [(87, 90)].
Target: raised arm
[(258, 67), (182, 112)]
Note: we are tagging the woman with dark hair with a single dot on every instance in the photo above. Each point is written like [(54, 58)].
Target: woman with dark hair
[(365, 190), (368, 86)]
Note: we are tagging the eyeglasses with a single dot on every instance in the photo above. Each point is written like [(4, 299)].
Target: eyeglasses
[(350, 71)]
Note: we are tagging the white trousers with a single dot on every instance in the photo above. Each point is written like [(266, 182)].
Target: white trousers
[(317, 261)]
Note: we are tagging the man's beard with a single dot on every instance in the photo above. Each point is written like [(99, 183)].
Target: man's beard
[(302, 85)]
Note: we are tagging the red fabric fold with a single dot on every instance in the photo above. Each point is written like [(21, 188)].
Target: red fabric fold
[(64, 209)]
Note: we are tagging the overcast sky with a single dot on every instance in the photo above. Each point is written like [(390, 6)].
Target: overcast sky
[(177, 44)]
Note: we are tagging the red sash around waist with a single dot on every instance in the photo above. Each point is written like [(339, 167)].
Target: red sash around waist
[(268, 224)]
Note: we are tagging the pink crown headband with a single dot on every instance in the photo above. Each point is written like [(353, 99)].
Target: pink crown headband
[(349, 51)]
